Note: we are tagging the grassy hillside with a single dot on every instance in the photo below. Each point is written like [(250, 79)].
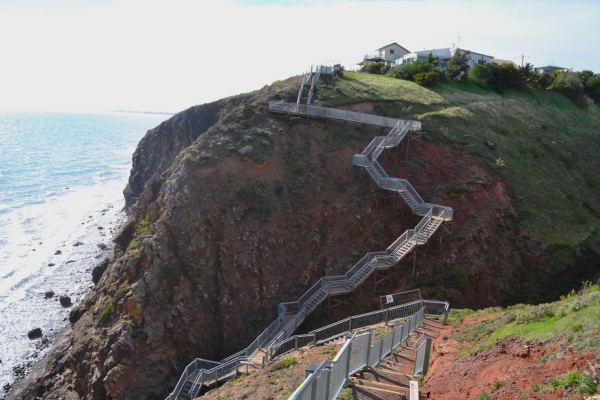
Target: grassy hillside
[(547, 351), (538, 142)]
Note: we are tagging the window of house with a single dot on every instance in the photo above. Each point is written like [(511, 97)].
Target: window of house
[(391, 51)]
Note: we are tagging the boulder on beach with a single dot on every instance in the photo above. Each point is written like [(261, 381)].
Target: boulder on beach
[(57, 252), (51, 265), (99, 270), (65, 301), (49, 294), (77, 244), (34, 333), (102, 246)]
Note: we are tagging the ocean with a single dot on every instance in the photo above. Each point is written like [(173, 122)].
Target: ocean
[(61, 182)]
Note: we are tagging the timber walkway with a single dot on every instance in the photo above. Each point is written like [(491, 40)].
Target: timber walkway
[(291, 314)]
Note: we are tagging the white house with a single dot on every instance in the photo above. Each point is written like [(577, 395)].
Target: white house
[(389, 53), (549, 69), (443, 55)]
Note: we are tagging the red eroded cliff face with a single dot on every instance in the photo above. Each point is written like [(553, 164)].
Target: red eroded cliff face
[(234, 210)]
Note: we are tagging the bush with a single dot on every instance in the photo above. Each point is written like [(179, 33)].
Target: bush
[(569, 159), (496, 77), (541, 81), (457, 66), (535, 313), (427, 78), (373, 67), (105, 314), (285, 363), (592, 88), (570, 86), (408, 71), (338, 70)]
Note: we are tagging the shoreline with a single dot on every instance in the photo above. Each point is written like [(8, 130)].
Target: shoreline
[(59, 336)]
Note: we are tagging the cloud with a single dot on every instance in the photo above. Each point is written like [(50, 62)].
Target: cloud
[(159, 56)]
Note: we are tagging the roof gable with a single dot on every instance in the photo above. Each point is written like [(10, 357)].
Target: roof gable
[(384, 47)]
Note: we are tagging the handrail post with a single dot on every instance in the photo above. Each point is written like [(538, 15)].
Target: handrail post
[(328, 382), (368, 351), (296, 342)]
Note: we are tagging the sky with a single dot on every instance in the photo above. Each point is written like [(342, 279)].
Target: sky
[(148, 55)]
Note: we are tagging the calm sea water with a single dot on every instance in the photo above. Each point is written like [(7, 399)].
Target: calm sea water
[(61, 182)]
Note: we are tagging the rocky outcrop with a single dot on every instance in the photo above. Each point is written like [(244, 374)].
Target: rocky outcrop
[(233, 210)]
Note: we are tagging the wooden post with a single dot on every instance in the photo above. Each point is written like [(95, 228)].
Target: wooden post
[(414, 390)]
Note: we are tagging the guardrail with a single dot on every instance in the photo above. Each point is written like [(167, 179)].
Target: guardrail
[(346, 325), (357, 353)]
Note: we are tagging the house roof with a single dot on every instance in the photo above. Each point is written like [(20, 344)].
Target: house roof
[(474, 52), (550, 66), (381, 48), (500, 62)]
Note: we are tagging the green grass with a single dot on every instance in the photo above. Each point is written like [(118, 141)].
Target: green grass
[(574, 381), (356, 87), (125, 285), (327, 350), (574, 319), (105, 314), (285, 363)]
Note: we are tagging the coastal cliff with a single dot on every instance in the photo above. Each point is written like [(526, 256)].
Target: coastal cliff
[(233, 209)]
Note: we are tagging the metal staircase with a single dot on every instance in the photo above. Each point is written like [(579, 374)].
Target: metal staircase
[(292, 314), (307, 88)]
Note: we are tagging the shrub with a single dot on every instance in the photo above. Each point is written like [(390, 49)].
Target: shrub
[(285, 363), (373, 67), (541, 81), (338, 70), (483, 396), (535, 313), (570, 86), (495, 385), (592, 88), (105, 314), (569, 159), (457, 66), (408, 71), (427, 78), (496, 77), (125, 285)]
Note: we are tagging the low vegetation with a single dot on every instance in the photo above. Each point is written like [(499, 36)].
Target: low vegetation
[(572, 321)]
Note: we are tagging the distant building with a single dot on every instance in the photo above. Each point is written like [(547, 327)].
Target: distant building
[(502, 62), (388, 54), (549, 69), (443, 55)]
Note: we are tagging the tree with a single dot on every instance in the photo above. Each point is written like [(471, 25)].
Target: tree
[(457, 66), (585, 75), (528, 73), (592, 88), (432, 60)]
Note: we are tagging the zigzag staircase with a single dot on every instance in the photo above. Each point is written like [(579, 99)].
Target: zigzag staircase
[(291, 314)]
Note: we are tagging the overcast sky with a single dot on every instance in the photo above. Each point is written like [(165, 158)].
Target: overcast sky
[(75, 55)]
